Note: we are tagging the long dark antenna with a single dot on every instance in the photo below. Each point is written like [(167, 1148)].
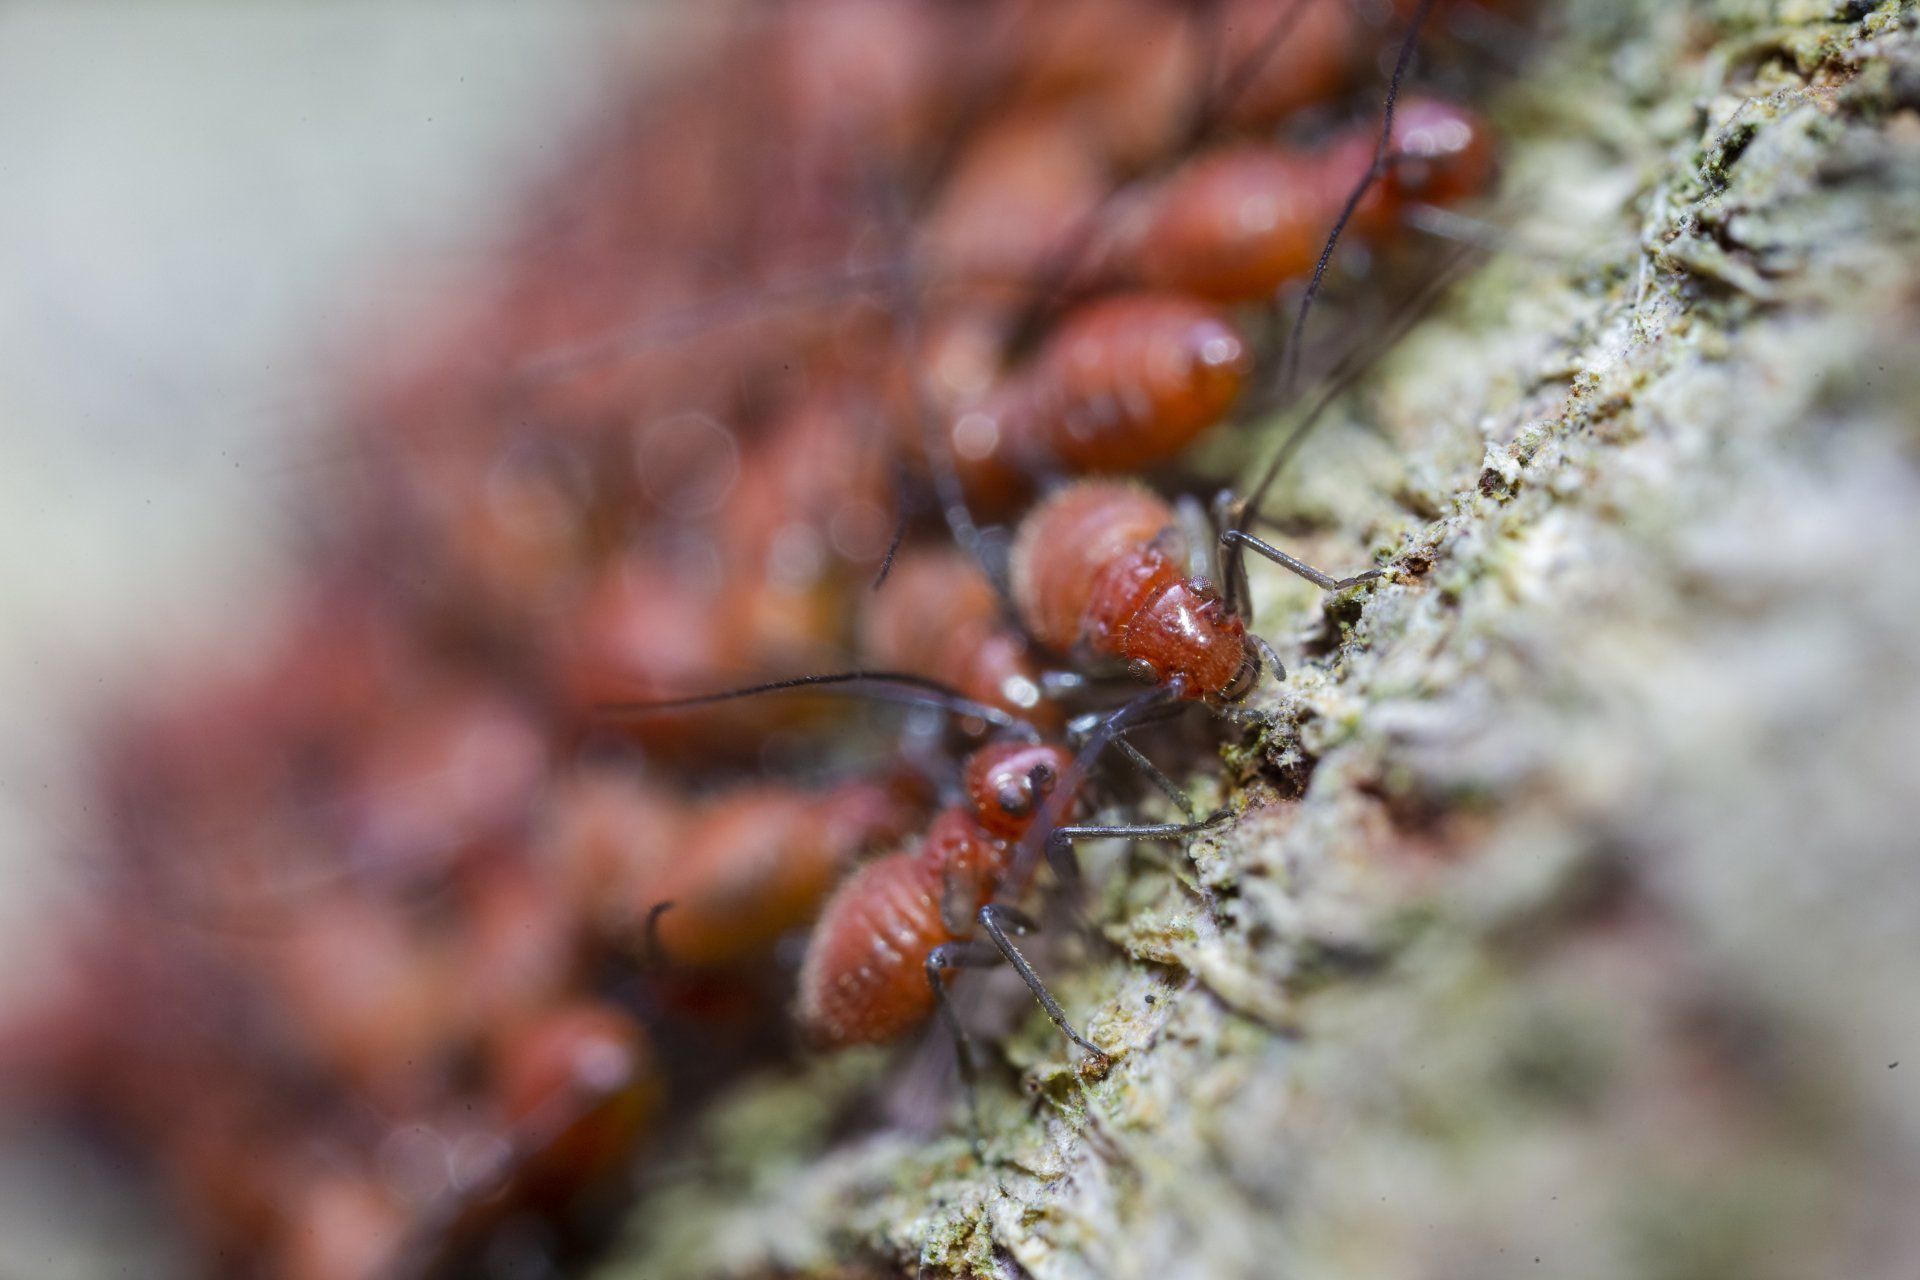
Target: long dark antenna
[(1219, 95), (1216, 96), (904, 307), (1382, 152), (881, 686), (1352, 368)]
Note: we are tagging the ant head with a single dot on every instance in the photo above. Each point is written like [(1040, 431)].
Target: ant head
[(1248, 676), (1008, 782), (1443, 154), (1188, 633)]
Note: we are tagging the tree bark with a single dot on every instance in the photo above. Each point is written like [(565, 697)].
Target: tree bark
[(1571, 925)]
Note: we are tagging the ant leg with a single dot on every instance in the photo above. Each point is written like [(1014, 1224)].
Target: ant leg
[(1082, 727), (1152, 772), (1232, 568), (1238, 538), (1061, 839), (961, 955), (1000, 920)]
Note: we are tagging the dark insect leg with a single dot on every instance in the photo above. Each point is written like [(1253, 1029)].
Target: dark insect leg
[(999, 921), (1026, 855), (1236, 539), (1082, 728), (960, 955), (1152, 773), (1232, 562), (1061, 840), (1063, 837)]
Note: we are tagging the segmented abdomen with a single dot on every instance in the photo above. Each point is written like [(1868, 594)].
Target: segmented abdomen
[(1086, 560), (864, 977), (1125, 382)]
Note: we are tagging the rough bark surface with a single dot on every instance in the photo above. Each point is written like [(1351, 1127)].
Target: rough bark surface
[(1590, 946)]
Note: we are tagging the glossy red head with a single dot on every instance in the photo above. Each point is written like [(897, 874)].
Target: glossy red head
[(1187, 631), (1008, 782)]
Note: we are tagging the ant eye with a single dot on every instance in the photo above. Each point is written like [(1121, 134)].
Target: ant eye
[(1015, 801), (1143, 671)]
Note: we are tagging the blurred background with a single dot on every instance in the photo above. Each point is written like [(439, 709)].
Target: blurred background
[(203, 202)]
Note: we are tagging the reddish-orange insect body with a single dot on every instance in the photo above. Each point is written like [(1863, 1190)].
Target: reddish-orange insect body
[(864, 980), (758, 865), (938, 617), (1123, 383), (341, 1226), (576, 1086), (1097, 569), (1235, 224)]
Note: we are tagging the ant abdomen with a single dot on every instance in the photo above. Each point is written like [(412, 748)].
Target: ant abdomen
[(1235, 224), (757, 865), (1097, 569), (862, 983), (938, 617), (1130, 380), (864, 980), (1123, 383)]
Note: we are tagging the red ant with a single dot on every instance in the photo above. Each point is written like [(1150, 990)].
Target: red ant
[(881, 953)]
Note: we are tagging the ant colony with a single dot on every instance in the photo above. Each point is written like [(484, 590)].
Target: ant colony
[(855, 359)]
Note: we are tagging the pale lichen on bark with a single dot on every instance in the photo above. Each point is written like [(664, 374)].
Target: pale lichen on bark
[(1588, 948)]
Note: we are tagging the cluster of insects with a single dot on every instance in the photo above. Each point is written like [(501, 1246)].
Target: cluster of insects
[(833, 363)]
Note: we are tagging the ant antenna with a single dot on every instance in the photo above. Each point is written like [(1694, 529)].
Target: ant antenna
[(1381, 154), (893, 547), (1216, 99), (653, 956), (881, 686), (1337, 384), (1349, 371), (904, 299)]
